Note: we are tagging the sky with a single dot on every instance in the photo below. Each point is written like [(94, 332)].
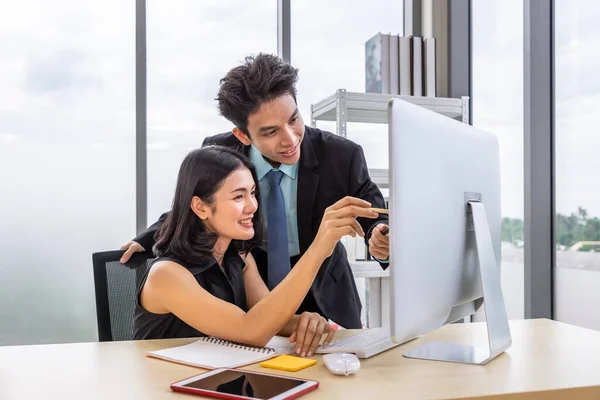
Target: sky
[(498, 98), (67, 119)]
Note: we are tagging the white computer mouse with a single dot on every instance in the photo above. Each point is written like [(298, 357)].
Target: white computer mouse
[(341, 363)]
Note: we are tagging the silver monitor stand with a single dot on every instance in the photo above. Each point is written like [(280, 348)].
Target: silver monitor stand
[(499, 337)]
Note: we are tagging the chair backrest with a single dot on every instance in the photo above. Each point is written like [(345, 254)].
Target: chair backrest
[(116, 287)]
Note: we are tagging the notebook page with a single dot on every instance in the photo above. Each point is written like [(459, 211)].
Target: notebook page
[(209, 355), (233, 357), (281, 345)]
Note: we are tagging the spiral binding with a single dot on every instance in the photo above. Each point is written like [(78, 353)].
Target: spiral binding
[(237, 345)]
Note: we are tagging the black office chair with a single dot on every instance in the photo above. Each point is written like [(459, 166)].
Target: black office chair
[(116, 286)]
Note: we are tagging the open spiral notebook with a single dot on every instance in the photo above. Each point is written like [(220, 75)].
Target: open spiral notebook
[(210, 352)]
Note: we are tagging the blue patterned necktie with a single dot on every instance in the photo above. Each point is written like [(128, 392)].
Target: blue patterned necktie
[(277, 239)]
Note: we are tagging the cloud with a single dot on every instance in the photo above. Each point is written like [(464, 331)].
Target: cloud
[(9, 138), (66, 74)]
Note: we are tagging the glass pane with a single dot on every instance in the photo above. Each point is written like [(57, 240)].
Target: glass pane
[(67, 133), (577, 273), (191, 46), (497, 31)]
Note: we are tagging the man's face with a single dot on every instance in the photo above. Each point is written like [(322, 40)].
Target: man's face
[(276, 130)]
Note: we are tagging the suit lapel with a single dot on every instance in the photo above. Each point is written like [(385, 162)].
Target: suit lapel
[(308, 181)]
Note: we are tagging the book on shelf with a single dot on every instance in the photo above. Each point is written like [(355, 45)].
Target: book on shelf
[(404, 65), (429, 67), (394, 64), (377, 64), (417, 66)]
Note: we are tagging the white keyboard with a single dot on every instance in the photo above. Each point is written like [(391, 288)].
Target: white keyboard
[(364, 344)]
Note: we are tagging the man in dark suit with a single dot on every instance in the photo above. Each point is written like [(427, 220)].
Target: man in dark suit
[(301, 171)]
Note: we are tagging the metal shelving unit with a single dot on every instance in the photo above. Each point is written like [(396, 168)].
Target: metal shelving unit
[(343, 107)]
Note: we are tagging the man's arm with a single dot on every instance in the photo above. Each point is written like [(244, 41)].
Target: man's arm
[(363, 187)]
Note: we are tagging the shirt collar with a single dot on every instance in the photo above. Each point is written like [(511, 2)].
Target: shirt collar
[(263, 166), (231, 259)]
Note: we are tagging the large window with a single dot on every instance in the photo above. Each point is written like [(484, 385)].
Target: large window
[(191, 46), (328, 47), (577, 142), (497, 32), (67, 131)]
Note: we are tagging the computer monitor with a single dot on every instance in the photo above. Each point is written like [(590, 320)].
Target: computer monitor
[(444, 231)]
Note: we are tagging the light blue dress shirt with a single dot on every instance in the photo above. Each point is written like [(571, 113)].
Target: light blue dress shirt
[(289, 187)]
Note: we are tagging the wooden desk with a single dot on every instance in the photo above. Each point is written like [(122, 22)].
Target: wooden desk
[(548, 360)]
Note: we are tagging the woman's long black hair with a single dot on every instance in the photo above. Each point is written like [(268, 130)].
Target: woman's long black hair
[(183, 235)]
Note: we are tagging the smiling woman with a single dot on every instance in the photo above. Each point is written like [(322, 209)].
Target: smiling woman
[(214, 205)]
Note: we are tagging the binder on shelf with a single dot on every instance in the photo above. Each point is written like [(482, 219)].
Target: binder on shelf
[(405, 65), (417, 65), (394, 64), (377, 64), (429, 67)]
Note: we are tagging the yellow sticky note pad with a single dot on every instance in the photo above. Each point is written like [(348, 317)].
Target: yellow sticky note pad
[(288, 363)]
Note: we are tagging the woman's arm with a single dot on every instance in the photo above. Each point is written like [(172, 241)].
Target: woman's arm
[(172, 288), (255, 287), (305, 330)]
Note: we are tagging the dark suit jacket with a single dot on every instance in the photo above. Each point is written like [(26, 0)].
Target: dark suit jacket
[(331, 167)]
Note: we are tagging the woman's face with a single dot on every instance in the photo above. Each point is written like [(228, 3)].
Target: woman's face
[(234, 207)]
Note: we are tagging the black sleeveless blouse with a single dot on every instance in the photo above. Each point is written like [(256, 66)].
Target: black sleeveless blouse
[(227, 286)]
